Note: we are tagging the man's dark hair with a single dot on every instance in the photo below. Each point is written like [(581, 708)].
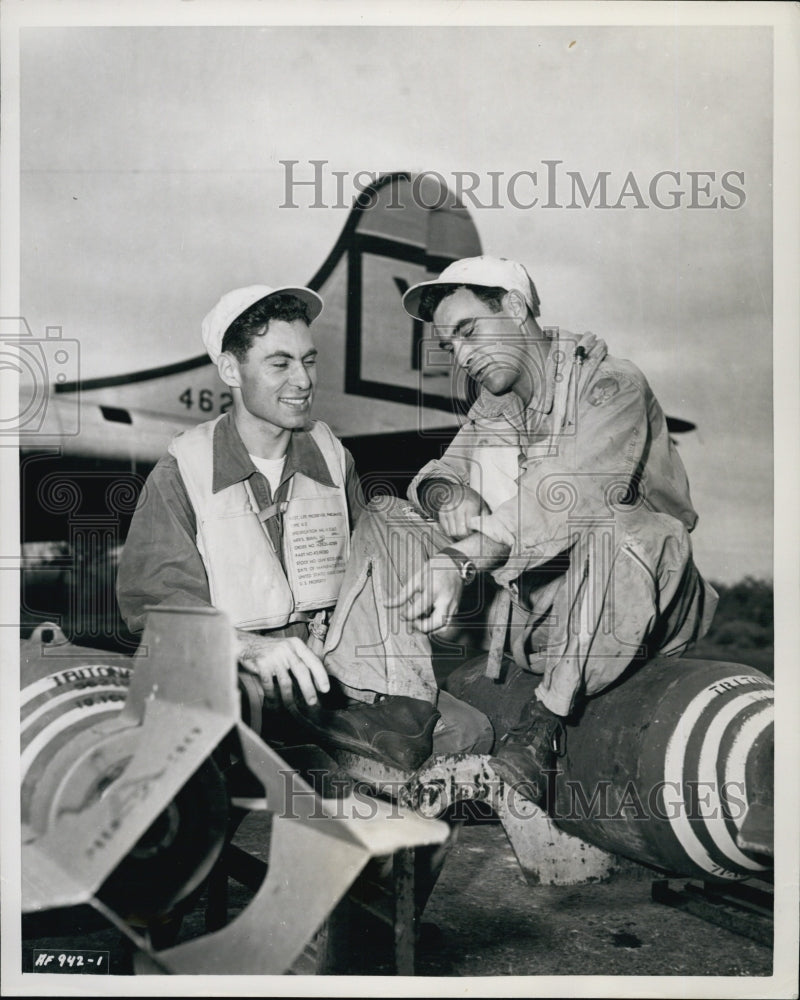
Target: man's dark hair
[(429, 301), (254, 322)]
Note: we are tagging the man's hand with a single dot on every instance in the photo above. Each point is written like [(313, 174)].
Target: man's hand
[(455, 518), (451, 503), (431, 597), (279, 661)]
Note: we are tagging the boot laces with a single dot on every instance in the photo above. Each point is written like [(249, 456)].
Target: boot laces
[(535, 722)]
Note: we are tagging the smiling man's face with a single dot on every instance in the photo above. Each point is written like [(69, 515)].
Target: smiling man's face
[(278, 377), (489, 346)]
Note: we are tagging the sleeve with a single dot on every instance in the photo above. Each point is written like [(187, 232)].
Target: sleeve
[(453, 465), (593, 469), (160, 562)]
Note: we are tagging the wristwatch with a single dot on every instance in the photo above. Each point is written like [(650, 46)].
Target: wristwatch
[(467, 569)]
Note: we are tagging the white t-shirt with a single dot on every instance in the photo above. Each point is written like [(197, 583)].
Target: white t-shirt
[(272, 468)]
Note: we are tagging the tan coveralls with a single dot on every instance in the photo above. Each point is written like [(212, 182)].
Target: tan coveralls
[(586, 488)]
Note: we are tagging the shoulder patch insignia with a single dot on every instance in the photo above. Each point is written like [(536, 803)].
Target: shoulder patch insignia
[(603, 390)]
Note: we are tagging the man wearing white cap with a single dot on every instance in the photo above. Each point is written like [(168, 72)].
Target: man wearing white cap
[(251, 512), (564, 488)]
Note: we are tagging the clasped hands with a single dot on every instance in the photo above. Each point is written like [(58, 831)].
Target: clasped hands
[(430, 598)]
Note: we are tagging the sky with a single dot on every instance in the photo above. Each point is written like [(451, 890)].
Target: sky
[(151, 182)]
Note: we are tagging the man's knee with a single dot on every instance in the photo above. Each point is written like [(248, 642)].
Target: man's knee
[(657, 540)]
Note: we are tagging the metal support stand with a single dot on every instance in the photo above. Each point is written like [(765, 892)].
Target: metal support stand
[(374, 927), (405, 922), (745, 908)]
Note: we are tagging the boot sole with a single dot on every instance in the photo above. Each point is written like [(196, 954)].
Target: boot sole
[(529, 788)]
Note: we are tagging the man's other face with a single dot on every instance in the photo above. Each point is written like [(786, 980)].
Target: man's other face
[(489, 346), (278, 377)]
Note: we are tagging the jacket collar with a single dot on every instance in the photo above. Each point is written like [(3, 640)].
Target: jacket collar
[(232, 464)]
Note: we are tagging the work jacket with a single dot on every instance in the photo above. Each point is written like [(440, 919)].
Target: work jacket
[(592, 443)]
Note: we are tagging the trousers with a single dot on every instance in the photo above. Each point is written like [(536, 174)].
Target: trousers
[(621, 591)]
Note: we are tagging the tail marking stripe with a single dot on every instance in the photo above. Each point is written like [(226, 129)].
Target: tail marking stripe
[(709, 801), (674, 763)]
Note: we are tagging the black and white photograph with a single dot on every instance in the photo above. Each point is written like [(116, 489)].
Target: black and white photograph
[(399, 442)]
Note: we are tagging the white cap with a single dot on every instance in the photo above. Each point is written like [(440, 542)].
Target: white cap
[(233, 304), (488, 272)]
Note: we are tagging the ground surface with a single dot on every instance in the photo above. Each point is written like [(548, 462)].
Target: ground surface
[(492, 923), (483, 919)]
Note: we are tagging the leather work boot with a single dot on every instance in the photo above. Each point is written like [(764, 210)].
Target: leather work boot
[(395, 730), (529, 750)]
